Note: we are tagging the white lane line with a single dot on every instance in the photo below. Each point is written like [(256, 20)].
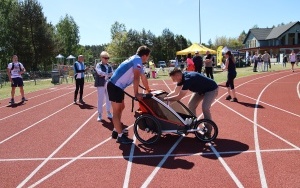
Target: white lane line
[(157, 168), (16, 113), (260, 126), (150, 156), (220, 98), (45, 118), (262, 175), (129, 164), (67, 164), (167, 85), (298, 89), (5, 106), (227, 168), (54, 152), (73, 159), (298, 115)]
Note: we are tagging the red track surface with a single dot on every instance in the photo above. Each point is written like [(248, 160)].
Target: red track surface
[(50, 142)]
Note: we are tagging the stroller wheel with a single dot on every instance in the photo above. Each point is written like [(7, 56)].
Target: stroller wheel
[(207, 130), (147, 129)]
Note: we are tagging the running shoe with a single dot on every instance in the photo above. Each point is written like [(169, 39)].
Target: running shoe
[(81, 101), (114, 133), (228, 97), (109, 115), (12, 101), (24, 99), (234, 100), (99, 118), (124, 140)]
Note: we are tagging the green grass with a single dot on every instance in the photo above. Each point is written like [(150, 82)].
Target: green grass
[(29, 86), (219, 78)]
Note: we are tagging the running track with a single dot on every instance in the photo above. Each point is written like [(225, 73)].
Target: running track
[(50, 142)]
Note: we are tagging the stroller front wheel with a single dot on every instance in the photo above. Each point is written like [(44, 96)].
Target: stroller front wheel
[(147, 129), (207, 130)]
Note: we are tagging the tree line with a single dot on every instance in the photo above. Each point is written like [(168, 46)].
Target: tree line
[(25, 32)]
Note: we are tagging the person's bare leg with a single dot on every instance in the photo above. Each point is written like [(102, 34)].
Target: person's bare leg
[(13, 89), (233, 93), (228, 91), (22, 91), (117, 114)]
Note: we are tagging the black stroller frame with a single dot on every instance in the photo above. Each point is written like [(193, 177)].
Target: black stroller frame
[(156, 116)]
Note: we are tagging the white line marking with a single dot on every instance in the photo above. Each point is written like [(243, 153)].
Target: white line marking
[(157, 168), (298, 89), (38, 95), (66, 164), (263, 128), (54, 152), (23, 130), (16, 113), (73, 159), (270, 105), (262, 175), (129, 164), (227, 168), (149, 156)]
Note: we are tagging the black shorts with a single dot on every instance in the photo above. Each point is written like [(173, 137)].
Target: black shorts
[(230, 82), (292, 63), (115, 93), (17, 82)]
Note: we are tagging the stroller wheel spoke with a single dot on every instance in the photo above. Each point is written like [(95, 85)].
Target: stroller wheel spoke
[(147, 129)]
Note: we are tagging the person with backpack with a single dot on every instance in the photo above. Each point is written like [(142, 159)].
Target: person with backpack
[(15, 69)]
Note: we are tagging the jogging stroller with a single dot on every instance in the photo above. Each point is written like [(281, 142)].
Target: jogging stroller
[(156, 116)]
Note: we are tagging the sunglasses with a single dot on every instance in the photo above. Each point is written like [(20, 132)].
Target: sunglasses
[(105, 57)]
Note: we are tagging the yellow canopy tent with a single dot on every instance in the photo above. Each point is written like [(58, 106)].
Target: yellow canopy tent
[(195, 47)]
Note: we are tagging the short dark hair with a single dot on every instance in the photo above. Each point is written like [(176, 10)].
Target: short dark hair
[(175, 71), (143, 50), (189, 55)]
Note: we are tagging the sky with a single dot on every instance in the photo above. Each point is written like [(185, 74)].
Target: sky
[(218, 17)]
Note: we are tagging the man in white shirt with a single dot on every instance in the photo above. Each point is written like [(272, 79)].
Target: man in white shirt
[(15, 69)]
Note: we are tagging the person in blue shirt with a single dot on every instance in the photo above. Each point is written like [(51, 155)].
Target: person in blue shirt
[(128, 72), (204, 89), (79, 69)]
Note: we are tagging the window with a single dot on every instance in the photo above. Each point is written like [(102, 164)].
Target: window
[(291, 39)]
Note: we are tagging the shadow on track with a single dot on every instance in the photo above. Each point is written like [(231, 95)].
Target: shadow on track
[(151, 155), (250, 105), (15, 105)]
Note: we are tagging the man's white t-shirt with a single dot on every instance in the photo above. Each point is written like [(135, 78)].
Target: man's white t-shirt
[(15, 73)]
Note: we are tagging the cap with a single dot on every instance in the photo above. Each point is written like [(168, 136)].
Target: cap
[(196, 52)]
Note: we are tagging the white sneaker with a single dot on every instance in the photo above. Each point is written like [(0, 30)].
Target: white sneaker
[(109, 115), (99, 117)]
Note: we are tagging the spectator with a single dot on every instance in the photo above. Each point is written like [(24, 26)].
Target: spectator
[(255, 60), (128, 72), (198, 62), (152, 69), (79, 69), (208, 65), (190, 63), (15, 69), (292, 58), (266, 58), (104, 72), (230, 67), (284, 61), (260, 63)]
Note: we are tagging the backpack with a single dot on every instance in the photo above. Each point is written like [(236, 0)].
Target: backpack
[(13, 66)]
